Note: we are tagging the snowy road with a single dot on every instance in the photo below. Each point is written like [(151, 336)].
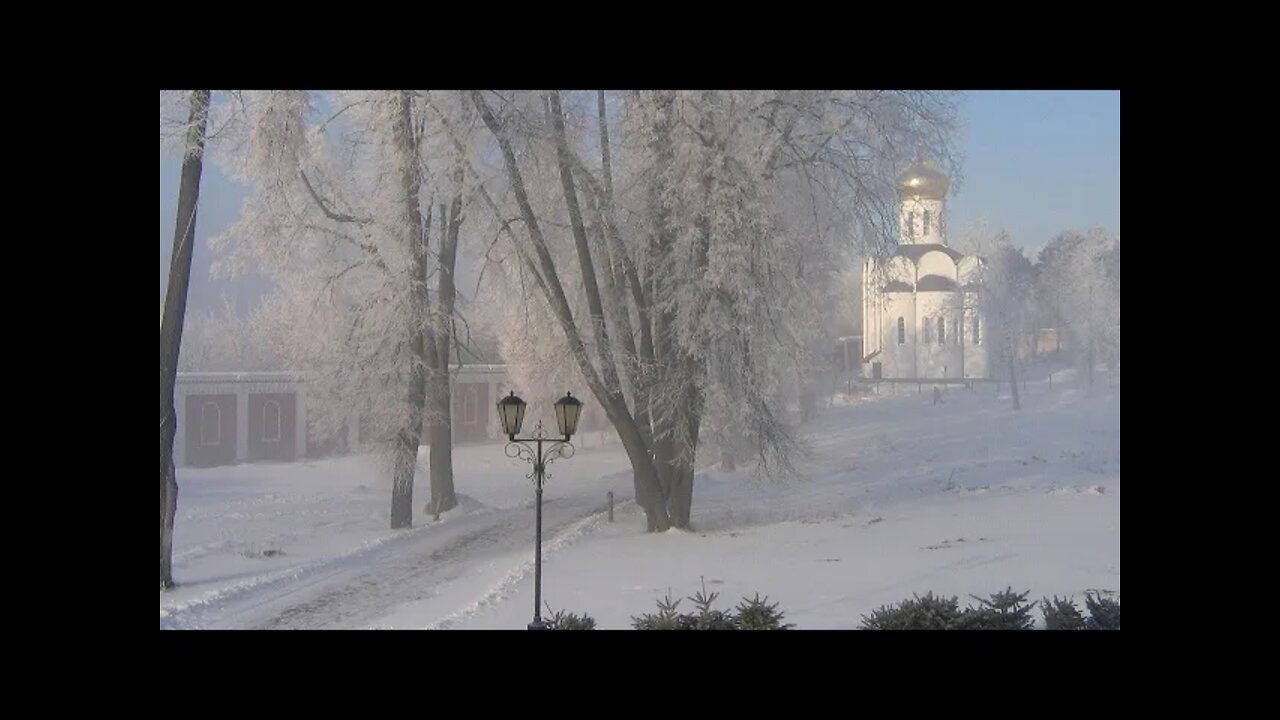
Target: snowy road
[(421, 569), (450, 565)]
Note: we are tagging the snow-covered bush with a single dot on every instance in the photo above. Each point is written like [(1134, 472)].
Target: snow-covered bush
[(667, 617), (919, 613), (1104, 613), (1004, 610), (1061, 614), (561, 620), (757, 614), (751, 614)]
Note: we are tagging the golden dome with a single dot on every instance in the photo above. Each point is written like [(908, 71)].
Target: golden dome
[(923, 180)]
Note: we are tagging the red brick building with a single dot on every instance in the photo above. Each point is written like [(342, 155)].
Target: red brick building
[(226, 418)]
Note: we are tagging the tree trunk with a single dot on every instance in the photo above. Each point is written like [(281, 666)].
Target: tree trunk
[(440, 437), (662, 239), (644, 475), (443, 497), (406, 448), (415, 234), (437, 416), (168, 509), (175, 308), (680, 502)]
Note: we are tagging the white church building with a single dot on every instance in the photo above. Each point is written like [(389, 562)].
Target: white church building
[(920, 313)]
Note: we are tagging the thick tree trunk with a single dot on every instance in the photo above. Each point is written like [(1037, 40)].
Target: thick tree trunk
[(662, 240), (680, 502), (440, 437), (175, 308), (644, 477), (168, 509), (415, 233), (680, 505), (406, 450), (664, 459), (443, 497), (437, 416)]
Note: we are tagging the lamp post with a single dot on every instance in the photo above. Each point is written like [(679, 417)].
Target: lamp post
[(530, 449)]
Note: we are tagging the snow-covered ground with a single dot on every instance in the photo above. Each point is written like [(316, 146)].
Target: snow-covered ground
[(899, 496)]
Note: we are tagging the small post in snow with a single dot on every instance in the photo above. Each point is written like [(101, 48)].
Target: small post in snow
[(610, 506)]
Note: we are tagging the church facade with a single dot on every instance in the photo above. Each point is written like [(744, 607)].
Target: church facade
[(920, 313)]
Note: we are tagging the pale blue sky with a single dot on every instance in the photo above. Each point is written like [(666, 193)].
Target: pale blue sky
[(1036, 163), (1040, 162)]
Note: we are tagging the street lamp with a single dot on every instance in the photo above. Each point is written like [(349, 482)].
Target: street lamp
[(511, 413)]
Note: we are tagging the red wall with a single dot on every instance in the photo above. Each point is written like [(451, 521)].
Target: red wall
[(199, 453), (263, 442)]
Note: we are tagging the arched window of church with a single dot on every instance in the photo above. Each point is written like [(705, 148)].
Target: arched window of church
[(911, 224), (977, 337), (924, 331), (926, 222), (902, 331), (942, 331)]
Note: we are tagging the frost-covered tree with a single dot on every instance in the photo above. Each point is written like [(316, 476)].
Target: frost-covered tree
[(673, 245), (224, 340), (344, 218), (193, 133), (845, 291), (1006, 295), (1110, 313), (1079, 285)]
